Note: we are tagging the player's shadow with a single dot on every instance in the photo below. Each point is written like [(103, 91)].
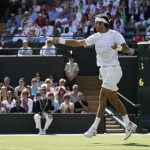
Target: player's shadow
[(127, 144), (136, 144)]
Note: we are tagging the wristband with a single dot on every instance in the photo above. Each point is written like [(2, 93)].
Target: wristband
[(119, 48), (62, 41)]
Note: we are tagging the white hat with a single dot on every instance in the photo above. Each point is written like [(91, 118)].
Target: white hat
[(20, 28)]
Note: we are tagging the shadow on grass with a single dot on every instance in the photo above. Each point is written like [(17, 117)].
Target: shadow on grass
[(136, 144), (128, 144)]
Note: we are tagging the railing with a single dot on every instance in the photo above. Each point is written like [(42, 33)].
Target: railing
[(138, 116)]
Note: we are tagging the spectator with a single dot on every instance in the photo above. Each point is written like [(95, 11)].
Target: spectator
[(91, 6), (61, 19), (8, 103), (25, 50), (7, 36), (67, 106), (72, 28), (54, 83), (133, 17), (40, 20), (34, 88), (4, 50), (138, 37), (35, 6), (13, 19), (43, 110), (26, 23), (73, 93), (147, 35), (17, 108), (54, 101), (24, 6), (48, 29), (13, 28), (62, 82), (3, 93), (37, 97), (26, 102), (71, 71), (7, 84), (118, 27), (38, 78), (20, 88), (143, 16), (49, 87), (53, 15), (81, 106), (67, 34), (60, 94), (48, 49), (80, 34), (20, 36)]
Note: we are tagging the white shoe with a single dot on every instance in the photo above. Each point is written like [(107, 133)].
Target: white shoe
[(90, 133), (40, 132), (44, 132), (130, 129)]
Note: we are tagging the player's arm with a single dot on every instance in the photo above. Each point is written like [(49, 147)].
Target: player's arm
[(123, 47), (69, 42)]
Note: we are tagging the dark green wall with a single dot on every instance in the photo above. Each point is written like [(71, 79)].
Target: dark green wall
[(62, 123)]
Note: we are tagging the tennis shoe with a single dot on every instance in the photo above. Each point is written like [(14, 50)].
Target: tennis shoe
[(40, 132), (90, 133), (130, 129)]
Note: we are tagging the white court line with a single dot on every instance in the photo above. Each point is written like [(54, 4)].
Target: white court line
[(105, 134), (13, 148)]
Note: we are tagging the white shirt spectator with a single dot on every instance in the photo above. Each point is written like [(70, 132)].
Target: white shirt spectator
[(48, 50), (29, 103)]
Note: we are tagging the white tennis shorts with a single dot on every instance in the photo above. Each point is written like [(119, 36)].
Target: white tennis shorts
[(110, 76)]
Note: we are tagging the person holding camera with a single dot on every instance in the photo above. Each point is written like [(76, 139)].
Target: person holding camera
[(43, 108)]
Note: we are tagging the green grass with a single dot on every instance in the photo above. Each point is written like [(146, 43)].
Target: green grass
[(78, 142)]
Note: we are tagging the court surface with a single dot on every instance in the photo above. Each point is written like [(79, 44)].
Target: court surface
[(74, 142)]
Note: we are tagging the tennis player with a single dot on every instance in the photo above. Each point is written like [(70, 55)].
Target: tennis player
[(107, 44)]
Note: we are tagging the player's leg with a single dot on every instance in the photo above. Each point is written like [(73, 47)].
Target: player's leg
[(100, 112), (130, 126)]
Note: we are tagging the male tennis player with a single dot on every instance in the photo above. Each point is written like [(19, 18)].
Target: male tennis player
[(107, 44)]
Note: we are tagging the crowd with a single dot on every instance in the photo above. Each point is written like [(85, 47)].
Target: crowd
[(74, 18)]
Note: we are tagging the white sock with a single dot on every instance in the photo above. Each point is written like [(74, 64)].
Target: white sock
[(126, 119), (96, 123)]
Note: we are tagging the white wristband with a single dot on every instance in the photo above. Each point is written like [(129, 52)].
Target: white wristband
[(119, 48), (62, 41)]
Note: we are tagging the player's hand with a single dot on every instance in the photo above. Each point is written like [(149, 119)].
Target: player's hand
[(114, 46), (56, 40)]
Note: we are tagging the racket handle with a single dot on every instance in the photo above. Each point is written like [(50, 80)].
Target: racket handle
[(49, 38)]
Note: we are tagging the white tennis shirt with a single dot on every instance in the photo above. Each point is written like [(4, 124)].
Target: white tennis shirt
[(106, 56)]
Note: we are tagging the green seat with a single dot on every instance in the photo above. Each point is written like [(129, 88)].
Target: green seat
[(129, 34), (129, 40), (130, 27)]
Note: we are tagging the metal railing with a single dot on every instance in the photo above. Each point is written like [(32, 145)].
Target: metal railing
[(138, 115)]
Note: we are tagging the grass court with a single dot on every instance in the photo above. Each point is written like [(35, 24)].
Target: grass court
[(74, 142)]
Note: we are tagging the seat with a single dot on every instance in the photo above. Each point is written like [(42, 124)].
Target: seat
[(129, 34), (130, 27)]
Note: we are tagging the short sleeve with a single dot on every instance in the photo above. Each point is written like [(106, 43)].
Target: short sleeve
[(119, 38)]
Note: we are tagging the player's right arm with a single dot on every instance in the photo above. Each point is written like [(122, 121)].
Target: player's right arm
[(69, 42)]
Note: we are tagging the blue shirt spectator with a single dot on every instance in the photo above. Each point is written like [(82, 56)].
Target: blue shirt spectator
[(13, 19)]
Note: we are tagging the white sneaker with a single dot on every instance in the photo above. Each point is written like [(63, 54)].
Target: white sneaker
[(130, 129), (90, 133), (44, 132), (40, 132)]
